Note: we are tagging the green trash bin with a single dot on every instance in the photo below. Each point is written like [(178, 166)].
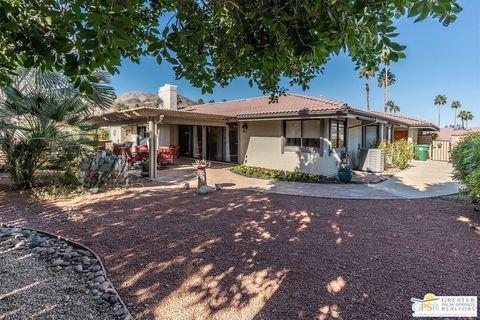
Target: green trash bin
[(421, 150)]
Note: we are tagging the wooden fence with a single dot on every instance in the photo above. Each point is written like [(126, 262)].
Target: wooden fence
[(440, 150)]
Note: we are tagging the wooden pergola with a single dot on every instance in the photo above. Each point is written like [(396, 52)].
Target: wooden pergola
[(153, 117)]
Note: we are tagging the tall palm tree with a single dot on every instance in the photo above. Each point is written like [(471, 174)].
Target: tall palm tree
[(385, 79), (439, 101), (385, 57), (455, 105), (367, 72), (392, 107)]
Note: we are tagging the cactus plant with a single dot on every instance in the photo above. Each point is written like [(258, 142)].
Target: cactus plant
[(103, 170)]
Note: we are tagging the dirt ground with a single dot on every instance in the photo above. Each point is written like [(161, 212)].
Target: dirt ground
[(245, 255)]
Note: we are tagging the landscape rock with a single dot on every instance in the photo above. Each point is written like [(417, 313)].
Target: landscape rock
[(203, 190), (61, 255), (104, 286), (56, 263)]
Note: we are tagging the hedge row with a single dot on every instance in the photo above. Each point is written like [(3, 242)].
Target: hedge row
[(294, 176)]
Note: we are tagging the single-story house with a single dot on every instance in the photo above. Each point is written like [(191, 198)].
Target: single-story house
[(299, 132)]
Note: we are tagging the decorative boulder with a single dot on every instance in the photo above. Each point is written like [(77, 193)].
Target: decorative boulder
[(204, 190)]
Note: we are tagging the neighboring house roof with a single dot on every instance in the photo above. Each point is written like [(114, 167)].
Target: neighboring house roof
[(290, 103), (448, 133), (406, 120)]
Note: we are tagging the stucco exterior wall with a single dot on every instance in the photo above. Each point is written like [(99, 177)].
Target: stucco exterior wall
[(261, 146)]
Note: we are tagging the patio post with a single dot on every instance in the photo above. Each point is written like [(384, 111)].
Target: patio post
[(381, 135), (227, 145), (152, 128), (195, 142), (204, 142)]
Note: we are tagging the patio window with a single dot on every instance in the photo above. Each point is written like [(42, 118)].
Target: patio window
[(370, 136), (303, 133), (338, 130)]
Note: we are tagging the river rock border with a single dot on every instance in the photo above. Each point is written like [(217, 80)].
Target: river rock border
[(61, 253)]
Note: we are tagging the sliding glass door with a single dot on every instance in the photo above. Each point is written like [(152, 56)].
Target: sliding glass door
[(220, 147)]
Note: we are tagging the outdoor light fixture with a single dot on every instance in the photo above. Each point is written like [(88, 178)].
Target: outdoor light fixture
[(244, 127)]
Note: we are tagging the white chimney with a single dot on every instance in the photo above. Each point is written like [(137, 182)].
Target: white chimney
[(169, 95)]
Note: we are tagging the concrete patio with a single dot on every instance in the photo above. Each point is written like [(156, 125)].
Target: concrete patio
[(422, 180)]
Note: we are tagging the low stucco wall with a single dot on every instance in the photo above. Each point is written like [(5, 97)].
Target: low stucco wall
[(261, 146)]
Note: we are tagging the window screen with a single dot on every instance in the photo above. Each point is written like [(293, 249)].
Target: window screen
[(293, 133), (311, 133)]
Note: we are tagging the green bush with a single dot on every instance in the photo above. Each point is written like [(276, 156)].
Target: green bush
[(52, 186), (398, 154), (283, 175), (466, 164)]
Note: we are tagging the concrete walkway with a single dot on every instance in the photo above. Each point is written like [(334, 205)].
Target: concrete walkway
[(422, 180)]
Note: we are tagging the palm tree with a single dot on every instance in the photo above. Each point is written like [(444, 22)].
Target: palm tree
[(455, 105), (439, 101), (465, 116), (367, 72), (385, 57), (41, 113), (469, 116), (392, 107), (385, 79)]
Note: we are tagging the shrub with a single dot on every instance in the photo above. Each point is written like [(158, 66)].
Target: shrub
[(41, 115), (283, 175), (397, 154), (466, 164), (51, 186)]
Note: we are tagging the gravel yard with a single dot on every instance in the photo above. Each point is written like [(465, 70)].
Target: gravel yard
[(31, 290), (246, 255)]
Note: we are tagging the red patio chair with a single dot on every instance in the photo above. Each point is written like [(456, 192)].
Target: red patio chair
[(166, 155)]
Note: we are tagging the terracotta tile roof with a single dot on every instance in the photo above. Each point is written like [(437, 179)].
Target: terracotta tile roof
[(290, 103), (409, 121)]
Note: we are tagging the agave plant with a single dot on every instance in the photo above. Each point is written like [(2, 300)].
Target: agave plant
[(42, 113)]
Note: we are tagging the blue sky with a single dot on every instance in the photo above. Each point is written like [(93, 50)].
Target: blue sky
[(440, 60)]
